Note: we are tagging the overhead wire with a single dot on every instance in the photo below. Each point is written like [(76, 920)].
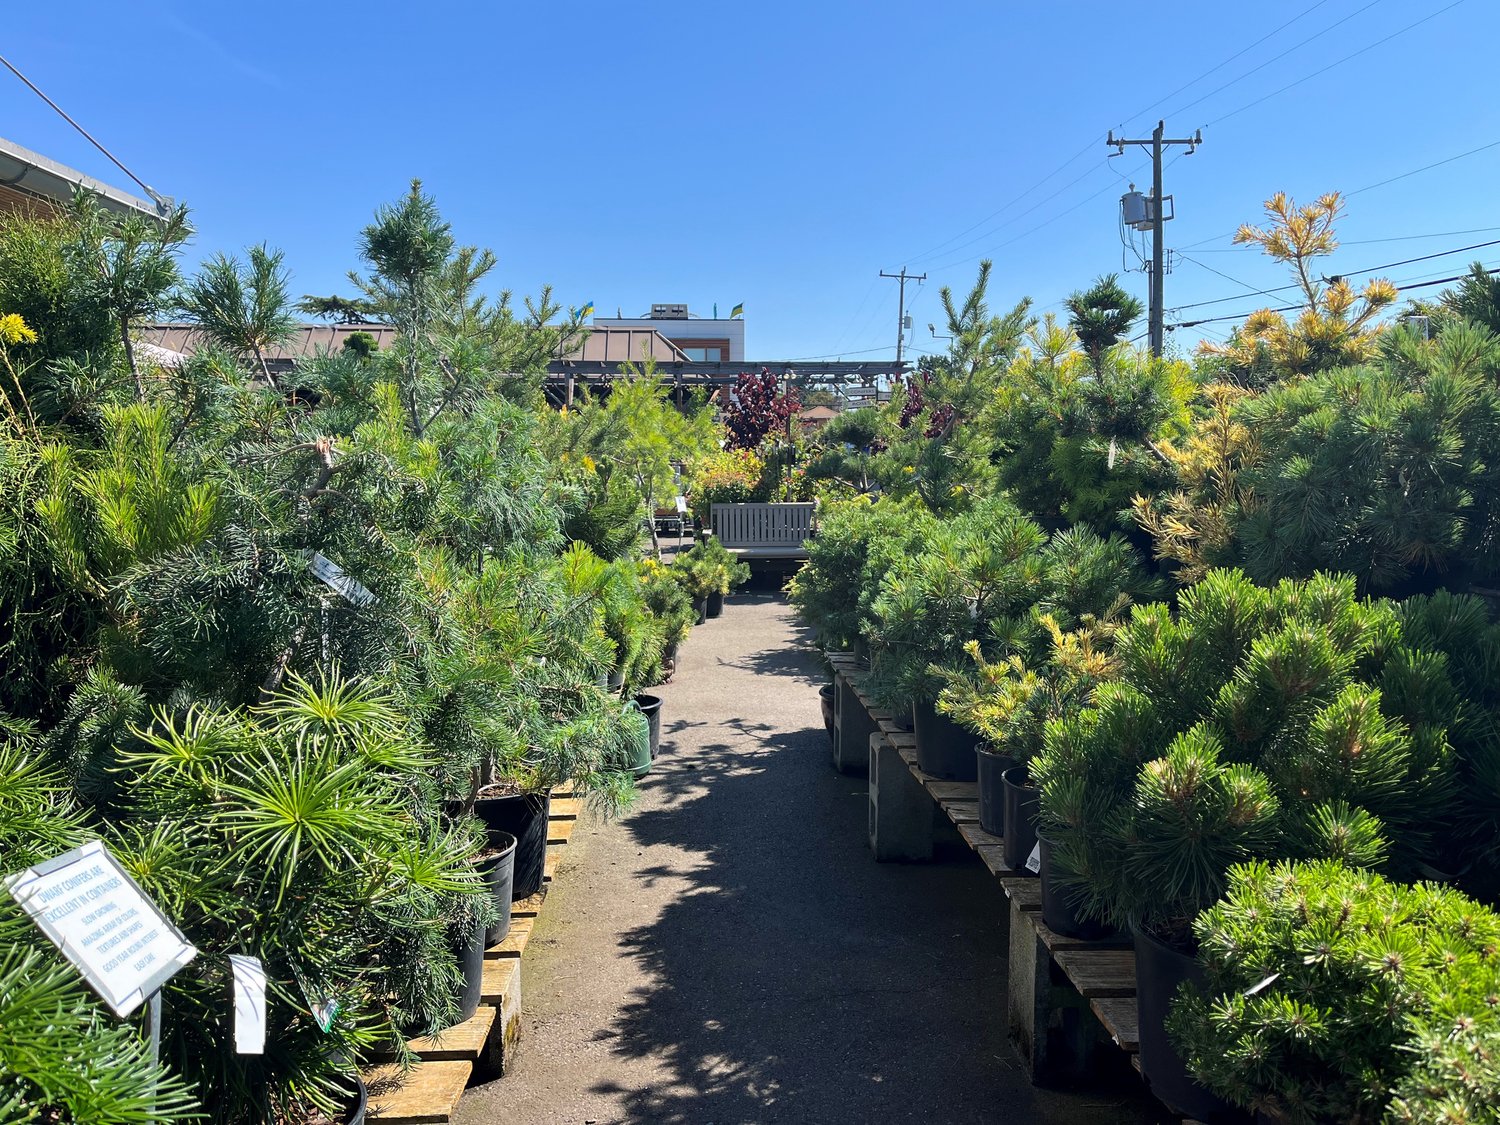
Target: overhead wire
[(113, 159), (1225, 62), (1277, 58), (1372, 187), (1402, 288), (1336, 63), (1342, 273)]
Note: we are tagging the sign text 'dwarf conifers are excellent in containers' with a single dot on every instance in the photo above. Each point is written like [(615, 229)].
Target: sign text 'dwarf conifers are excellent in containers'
[(103, 923)]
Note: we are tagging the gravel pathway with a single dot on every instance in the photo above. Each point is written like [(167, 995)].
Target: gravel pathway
[(728, 952)]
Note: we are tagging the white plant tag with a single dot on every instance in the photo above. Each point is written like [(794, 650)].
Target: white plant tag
[(1034, 860), (332, 575), (249, 1004), (1267, 983)]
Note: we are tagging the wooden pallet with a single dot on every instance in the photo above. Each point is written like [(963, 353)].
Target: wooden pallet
[(478, 1048)]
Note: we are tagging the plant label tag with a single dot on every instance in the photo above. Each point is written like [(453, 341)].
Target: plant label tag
[(249, 1004), (101, 920), (681, 506), (1034, 860), (332, 575), (1256, 989)]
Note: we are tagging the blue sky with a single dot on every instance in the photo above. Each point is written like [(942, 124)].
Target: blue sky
[(782, 154)]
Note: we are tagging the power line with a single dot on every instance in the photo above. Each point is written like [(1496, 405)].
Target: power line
[(1028, 233), (1012, 219), (1225, 62), (1339, 62), (1276, 58), (1372, 187), (1347, 273), (1084, 151), (1426, 167), (1295, 308), (162, 204)]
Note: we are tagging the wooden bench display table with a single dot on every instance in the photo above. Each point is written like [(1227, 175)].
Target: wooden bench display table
[(1067, 999)]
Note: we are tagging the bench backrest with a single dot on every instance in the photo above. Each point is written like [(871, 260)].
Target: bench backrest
[(762, 525)]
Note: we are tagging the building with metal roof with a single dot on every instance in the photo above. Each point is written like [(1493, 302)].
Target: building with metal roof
[(31, 182)]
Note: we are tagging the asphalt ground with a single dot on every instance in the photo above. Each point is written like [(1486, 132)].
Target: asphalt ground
[(728, 951)]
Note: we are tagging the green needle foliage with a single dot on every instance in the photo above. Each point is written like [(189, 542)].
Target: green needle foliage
[(1335, 996), (709, 568), (1296, 721), (857, 543), (989, 578), (243, 308)]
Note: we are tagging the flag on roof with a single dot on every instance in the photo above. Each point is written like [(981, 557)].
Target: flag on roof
[(738, 310)]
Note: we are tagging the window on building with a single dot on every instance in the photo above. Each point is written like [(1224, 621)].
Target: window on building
[(704, 355)]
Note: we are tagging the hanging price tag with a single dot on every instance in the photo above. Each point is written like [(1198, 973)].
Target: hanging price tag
[(1034, 860), (1254, 990), (249, 1004), (332, 575)]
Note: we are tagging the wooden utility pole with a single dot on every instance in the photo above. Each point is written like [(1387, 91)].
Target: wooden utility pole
[(903, 277), (1156, 143)]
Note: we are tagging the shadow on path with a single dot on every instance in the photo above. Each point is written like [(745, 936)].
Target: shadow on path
[(790, 978)]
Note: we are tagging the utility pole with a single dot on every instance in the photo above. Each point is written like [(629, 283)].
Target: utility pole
[(1156, 144), (903, 277)]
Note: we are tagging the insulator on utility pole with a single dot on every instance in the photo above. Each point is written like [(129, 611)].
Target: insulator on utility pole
[(1155, 214)]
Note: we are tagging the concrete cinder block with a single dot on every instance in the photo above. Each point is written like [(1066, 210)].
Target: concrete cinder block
[(900, 809), (852, 729)]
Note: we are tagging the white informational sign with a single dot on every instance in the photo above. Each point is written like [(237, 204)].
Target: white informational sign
[(249, 1004), (93, 911), (332, 575), (682, 506), (1034, 860)]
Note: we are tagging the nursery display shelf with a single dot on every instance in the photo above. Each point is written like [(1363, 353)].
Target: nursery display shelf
[(476, 1049), (1102, 971)]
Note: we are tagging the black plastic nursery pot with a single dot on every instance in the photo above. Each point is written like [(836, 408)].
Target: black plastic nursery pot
[(524, 816), (989, 767), (1022, 803), (1159, 971), (861, 650), (825, 700), (358, 1104), (615, 680), (499, 872), (944, 749), (714, 606), (650, 706), (470, 954), (700, 607), (1059, 911)]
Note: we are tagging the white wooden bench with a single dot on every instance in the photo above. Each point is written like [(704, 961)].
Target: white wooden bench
[(763, 531)]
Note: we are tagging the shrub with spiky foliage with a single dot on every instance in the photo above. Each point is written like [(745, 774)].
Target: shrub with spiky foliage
[(1077, 434), (1337, 998), (858, 541), (989, 577), (708, 568), (1389, 471), (306, 833), (1290, 721)]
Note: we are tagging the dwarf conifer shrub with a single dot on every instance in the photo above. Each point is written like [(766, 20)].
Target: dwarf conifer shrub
[(1336, 997), (1254, 722), (858, 541), (984, 590)]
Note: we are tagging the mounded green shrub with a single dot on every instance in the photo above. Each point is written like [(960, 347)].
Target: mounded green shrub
[(858, 541), (1283, 722), (1336, 997)]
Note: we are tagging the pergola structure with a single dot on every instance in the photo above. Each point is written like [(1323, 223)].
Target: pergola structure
[(566, 376)]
